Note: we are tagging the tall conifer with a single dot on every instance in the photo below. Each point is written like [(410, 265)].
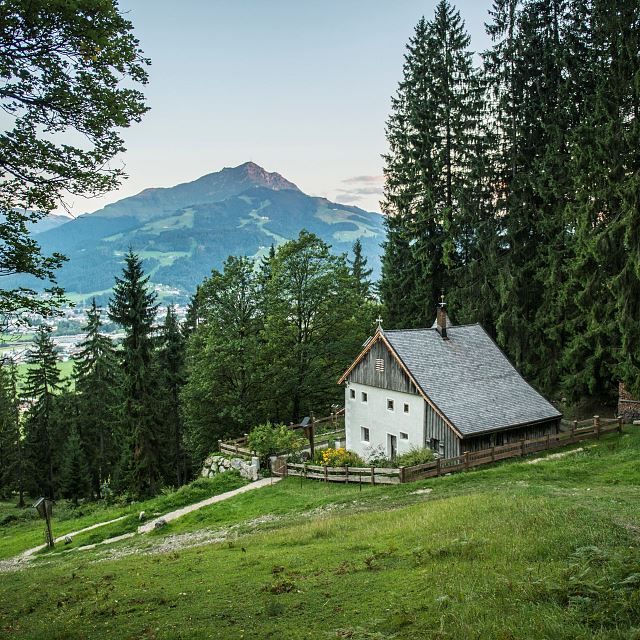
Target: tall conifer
[(98, 384), (133, 307), (43, 435), (430, 133)]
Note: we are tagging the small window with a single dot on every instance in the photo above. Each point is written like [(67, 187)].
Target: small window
[(434, 444), (379, 364), (363, 396), (404, 436), (406, 407), (352, 394), (364, 434), (389, 404)]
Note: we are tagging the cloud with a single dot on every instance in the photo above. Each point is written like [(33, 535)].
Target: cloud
[(359, 188), (362, 191), (364, 180), (346, 198)]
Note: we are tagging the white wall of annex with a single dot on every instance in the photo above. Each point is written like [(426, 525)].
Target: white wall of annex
[(380, 420)]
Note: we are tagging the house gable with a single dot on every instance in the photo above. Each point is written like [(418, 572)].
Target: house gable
[(378, 367)]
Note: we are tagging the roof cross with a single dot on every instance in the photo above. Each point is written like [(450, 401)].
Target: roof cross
[(379, 322)]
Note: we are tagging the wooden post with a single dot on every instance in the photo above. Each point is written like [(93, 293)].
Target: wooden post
[(466, 460), (326, 474), (619, 424), (312, 436), (373, 475), (493, 454), (219, 445), (549, 440), (346, 473), (521, 448), (596, 426), (401, 475), (438, 466), (574, 428), (47, 516)]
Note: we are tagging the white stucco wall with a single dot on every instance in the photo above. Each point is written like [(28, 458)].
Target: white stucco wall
[(380, 421)]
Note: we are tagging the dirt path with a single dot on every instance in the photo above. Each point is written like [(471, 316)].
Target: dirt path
[(25, 556), (22, 560), (172, 515)]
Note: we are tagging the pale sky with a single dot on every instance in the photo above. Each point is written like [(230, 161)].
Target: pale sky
[(301, 88)]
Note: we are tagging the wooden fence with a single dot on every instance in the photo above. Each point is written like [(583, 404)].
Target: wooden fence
[(576, 432)]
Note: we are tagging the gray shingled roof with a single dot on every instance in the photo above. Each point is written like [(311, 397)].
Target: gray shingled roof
[(469, 379)]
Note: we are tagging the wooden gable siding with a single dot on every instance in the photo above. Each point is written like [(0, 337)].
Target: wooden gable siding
[(436, 427), (393, 377), (507, 436)]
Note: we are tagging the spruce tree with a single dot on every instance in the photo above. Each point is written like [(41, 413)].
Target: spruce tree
[(42, 429), (171, 377), (75, 479), (12, 463), (430, 134), (133, 307), (98, 383), (533, 115), (360, 273)]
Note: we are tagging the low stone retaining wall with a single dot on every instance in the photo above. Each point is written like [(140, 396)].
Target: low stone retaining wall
[(215, 464), (628, 406)]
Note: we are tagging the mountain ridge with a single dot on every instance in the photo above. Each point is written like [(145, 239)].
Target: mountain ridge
[(211, 187), (185, 231)]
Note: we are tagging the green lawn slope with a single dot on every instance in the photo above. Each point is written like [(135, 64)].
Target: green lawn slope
[(516, 550)]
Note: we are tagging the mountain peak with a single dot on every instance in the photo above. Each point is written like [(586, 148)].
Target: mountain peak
[(258, 176), (212, 187)]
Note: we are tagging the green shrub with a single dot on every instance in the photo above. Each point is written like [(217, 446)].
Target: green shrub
[(269, 439), (414, 456)]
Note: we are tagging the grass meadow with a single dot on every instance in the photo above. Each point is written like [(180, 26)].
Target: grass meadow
[(514, 550)]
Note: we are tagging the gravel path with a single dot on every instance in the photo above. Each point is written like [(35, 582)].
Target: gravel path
[(22, 561), (172, 515), (25, 556)]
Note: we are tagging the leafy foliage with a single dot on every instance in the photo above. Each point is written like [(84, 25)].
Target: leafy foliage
[(414, 456), (66, 73), (269, 439)]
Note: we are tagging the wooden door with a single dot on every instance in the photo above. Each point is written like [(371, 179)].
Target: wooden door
[(392, 446)]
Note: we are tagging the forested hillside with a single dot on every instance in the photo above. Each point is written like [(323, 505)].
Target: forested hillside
[(513, 186)]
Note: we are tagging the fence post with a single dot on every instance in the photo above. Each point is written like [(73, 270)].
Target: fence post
[(401, 475), (438, 466), (574, 428), (596, 426), (346, 473), (549, 440), (619, 424), (373, 475), (326, 476), (219, 445), (466, 460), (493, 454), (522, 448)]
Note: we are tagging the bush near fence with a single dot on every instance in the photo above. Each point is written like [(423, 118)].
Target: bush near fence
[(577, 431)]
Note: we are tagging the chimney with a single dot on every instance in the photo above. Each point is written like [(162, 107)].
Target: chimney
[(441, 318)]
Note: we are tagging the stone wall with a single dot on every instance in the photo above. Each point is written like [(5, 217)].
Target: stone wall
[(215, 464), (628, 407)]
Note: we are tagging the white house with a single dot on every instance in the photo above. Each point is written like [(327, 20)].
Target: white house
[(449, 388)]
